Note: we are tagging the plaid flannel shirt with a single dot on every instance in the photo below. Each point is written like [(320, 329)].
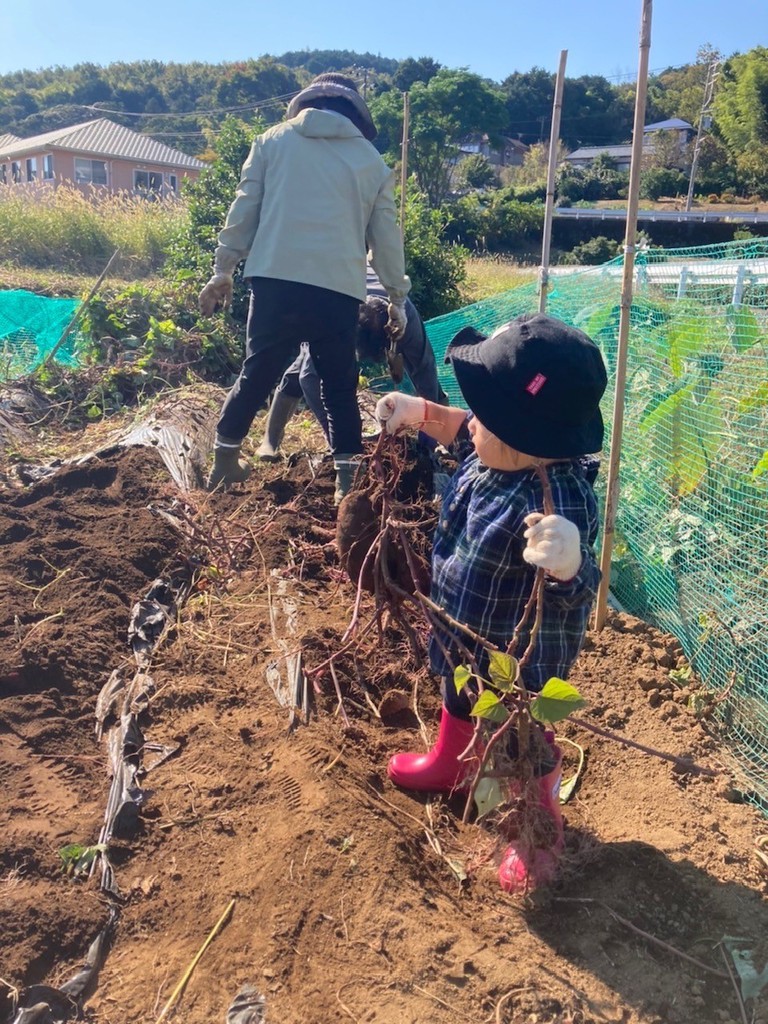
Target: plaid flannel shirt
[(480, 579)]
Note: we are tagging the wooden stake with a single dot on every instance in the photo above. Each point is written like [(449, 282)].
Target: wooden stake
[(77, 314), (554, 139), (404, 157), (612, 485), (188, 973)]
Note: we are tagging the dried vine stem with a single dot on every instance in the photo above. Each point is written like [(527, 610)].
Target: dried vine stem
[(680, 761), (646, 935)]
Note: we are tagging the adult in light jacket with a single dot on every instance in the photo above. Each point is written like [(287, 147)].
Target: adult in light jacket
[(372, 341), (315, 199)]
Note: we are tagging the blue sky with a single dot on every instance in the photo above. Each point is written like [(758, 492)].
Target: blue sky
[(490, 37)]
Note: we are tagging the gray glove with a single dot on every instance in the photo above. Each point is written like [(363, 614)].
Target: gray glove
[(397, 322), (217, 294)]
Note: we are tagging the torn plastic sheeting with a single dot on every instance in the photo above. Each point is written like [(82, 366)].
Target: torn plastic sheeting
[(48, 1005), (182, 430), (248, 1007), (751, 983), (125, 741), (285, 675), (150, 617)]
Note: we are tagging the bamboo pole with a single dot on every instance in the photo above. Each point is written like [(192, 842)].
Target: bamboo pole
[(404, 157), (554, 139), (188, 973), (77, 314), (612, 486)]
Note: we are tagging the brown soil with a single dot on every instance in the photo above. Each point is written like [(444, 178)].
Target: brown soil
[(348, 903)]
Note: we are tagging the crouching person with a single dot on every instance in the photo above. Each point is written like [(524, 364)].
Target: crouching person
[(533, 389)]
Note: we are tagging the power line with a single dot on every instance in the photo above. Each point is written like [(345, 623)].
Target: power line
[(255, 105)]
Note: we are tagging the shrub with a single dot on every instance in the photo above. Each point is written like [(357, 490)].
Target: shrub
[(493, 223), (435, 265), (475, 172), (530, 193), (596, 250), (662, 181), (155, 336)]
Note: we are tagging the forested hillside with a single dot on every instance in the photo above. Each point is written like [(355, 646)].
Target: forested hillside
[(185, 104)]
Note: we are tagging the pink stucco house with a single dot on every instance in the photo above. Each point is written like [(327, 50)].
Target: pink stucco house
[(98, 154)]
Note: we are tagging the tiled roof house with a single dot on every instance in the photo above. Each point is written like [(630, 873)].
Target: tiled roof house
[(97, 153)]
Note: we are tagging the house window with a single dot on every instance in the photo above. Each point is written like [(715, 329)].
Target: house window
[(90, 172), (3, 179), (16, 172), (48, 167), (31, 168), (148, 183), (173, 183)]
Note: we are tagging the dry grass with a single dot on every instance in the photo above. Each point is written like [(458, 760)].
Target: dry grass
[(493, 274), (67, 230), (52, 282)]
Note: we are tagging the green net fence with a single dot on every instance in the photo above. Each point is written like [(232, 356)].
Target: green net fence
[(691, 546), (30, 327)]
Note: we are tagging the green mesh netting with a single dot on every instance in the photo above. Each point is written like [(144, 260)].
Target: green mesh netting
[(691, 546), (30, 326)]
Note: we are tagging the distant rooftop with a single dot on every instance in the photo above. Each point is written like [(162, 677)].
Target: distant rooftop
[(103, 138), (590, 152), (7, 140), (671, 124)]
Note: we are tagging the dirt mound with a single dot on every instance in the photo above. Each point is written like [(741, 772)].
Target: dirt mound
[(352, 900)]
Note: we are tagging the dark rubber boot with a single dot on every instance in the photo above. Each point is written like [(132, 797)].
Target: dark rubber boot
[(439, 770), (280, 412), (227, 467), (346, 467), (523, 869)]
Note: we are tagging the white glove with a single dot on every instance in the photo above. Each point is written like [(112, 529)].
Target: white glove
[(554, 544), (396, 411), (397, 322), (217, 293)]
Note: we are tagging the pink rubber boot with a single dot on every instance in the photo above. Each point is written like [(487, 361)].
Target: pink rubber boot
[(522, 870), (439, 770)]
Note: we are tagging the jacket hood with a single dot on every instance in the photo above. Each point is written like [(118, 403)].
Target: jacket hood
[(324, 124)]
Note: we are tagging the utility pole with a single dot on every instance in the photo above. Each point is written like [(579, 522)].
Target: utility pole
[(705, 123)]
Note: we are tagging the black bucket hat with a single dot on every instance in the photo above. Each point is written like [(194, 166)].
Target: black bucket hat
[(536, 383), (339, 87)]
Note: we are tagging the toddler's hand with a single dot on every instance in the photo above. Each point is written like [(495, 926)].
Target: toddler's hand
[(553, 545), (396, 410)]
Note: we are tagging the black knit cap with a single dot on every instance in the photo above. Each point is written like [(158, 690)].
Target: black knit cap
[(536, 383), (339, 92)]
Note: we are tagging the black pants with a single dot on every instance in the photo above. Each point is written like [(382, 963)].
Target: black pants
[(281, 315)]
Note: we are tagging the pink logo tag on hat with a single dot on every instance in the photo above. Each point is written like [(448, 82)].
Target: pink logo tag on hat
[(535, 386)]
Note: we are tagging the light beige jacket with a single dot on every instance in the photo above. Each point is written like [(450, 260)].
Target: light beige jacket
[(314, 196)]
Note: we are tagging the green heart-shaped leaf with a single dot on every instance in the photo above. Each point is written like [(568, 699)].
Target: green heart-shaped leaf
[(556, 701)]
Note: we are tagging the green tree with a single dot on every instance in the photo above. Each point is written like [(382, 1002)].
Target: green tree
[(741, 115), (410, 71), (254, 81), (528, 97), (447, 109), (594, 112), (475, 172), (678, 92)]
